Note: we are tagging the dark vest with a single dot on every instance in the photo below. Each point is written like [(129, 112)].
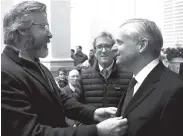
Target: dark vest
[(104, 93)]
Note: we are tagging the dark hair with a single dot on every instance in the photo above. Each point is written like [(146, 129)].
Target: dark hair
[(63, 70), (72, 50), (148, 29), (104, 34), (79, 46)]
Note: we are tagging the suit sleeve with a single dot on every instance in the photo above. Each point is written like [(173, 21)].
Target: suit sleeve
[(82, 113), (18, 117), (172, 117)]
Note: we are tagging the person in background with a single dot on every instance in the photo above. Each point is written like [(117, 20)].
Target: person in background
[(61, 79), (152, 103), (163, 58), (31, 102), (79, 56), (104, 83), (73, 89), (88, 63), (72, 53)]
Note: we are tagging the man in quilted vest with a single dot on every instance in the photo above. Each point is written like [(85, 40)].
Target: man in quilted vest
[(103, 84)]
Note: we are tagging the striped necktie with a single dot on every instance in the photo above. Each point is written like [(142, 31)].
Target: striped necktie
[(105, 73)]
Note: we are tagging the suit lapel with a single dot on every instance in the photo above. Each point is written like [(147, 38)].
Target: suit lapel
[(145, 89), (52, 82), (29, 67), (118, 112), (37, 75)]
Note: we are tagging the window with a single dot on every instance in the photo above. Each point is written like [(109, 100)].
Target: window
[(173, 23)]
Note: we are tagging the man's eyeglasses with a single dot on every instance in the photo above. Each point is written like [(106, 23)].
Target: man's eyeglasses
[(42, 26), (106, 46)]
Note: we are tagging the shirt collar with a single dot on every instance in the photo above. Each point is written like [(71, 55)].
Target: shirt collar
[(140, 77), (72, 87), (108, 69)]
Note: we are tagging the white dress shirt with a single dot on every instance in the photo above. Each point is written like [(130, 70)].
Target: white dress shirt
[(72, 87), (109, 69), (140, 77)]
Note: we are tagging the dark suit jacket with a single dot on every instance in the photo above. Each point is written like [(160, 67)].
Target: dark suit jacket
[(156, 109), (77, 94), (32, 107)]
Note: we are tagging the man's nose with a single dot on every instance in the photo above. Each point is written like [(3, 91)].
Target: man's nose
[(49, 34), (104, 49), (76, 78), (114, 48)]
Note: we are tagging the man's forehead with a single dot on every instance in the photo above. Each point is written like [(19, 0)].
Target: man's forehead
[(39, 17), (127, 30), (73, 72), (61, 72), (102, 39)]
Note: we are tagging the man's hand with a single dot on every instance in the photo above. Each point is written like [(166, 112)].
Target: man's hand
[(101, 114), (112, 127)]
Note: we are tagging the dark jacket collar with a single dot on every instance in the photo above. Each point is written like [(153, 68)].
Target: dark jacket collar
[(146, 88), (29, 66), (14, 55)]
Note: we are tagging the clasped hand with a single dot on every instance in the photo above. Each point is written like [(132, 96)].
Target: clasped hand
[(109, 124), (102, 114)]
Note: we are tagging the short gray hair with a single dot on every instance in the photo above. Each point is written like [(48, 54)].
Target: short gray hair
[(104, 34), (18, 18), (148, 29)]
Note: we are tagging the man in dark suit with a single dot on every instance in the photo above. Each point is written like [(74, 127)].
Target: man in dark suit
[(153, 104), (73, 89), (32, 104)]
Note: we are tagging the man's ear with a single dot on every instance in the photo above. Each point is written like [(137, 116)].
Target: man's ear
[(143, 44)]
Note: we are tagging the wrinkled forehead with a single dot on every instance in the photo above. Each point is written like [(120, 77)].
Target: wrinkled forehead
[(39, 17)]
